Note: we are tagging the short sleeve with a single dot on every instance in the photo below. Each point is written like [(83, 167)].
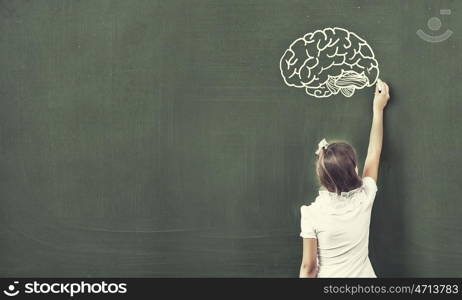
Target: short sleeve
[(370, 187), (306, 223)]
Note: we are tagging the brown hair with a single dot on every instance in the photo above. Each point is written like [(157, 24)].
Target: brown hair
[(336, 168)]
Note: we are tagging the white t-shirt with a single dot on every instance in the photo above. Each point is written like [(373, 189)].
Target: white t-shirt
[(341, 225)]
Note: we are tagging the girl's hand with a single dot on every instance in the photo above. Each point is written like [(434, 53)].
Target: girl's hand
[(371, 165), (381, 95)]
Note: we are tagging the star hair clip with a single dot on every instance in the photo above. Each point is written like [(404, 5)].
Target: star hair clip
[(323, 144)]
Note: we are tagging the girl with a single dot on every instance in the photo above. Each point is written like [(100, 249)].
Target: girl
[(335, 227)]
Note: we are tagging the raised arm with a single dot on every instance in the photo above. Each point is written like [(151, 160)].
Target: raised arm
[(371, 165)]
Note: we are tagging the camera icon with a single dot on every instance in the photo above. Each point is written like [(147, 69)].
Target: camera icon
[(11, 290), (434, 24)]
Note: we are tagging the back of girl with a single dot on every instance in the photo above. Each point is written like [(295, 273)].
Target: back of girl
[(335, 227)]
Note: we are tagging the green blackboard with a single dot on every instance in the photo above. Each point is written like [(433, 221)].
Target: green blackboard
[(157, 138)]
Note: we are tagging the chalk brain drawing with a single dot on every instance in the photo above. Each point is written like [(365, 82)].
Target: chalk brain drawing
[(328, 61)]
